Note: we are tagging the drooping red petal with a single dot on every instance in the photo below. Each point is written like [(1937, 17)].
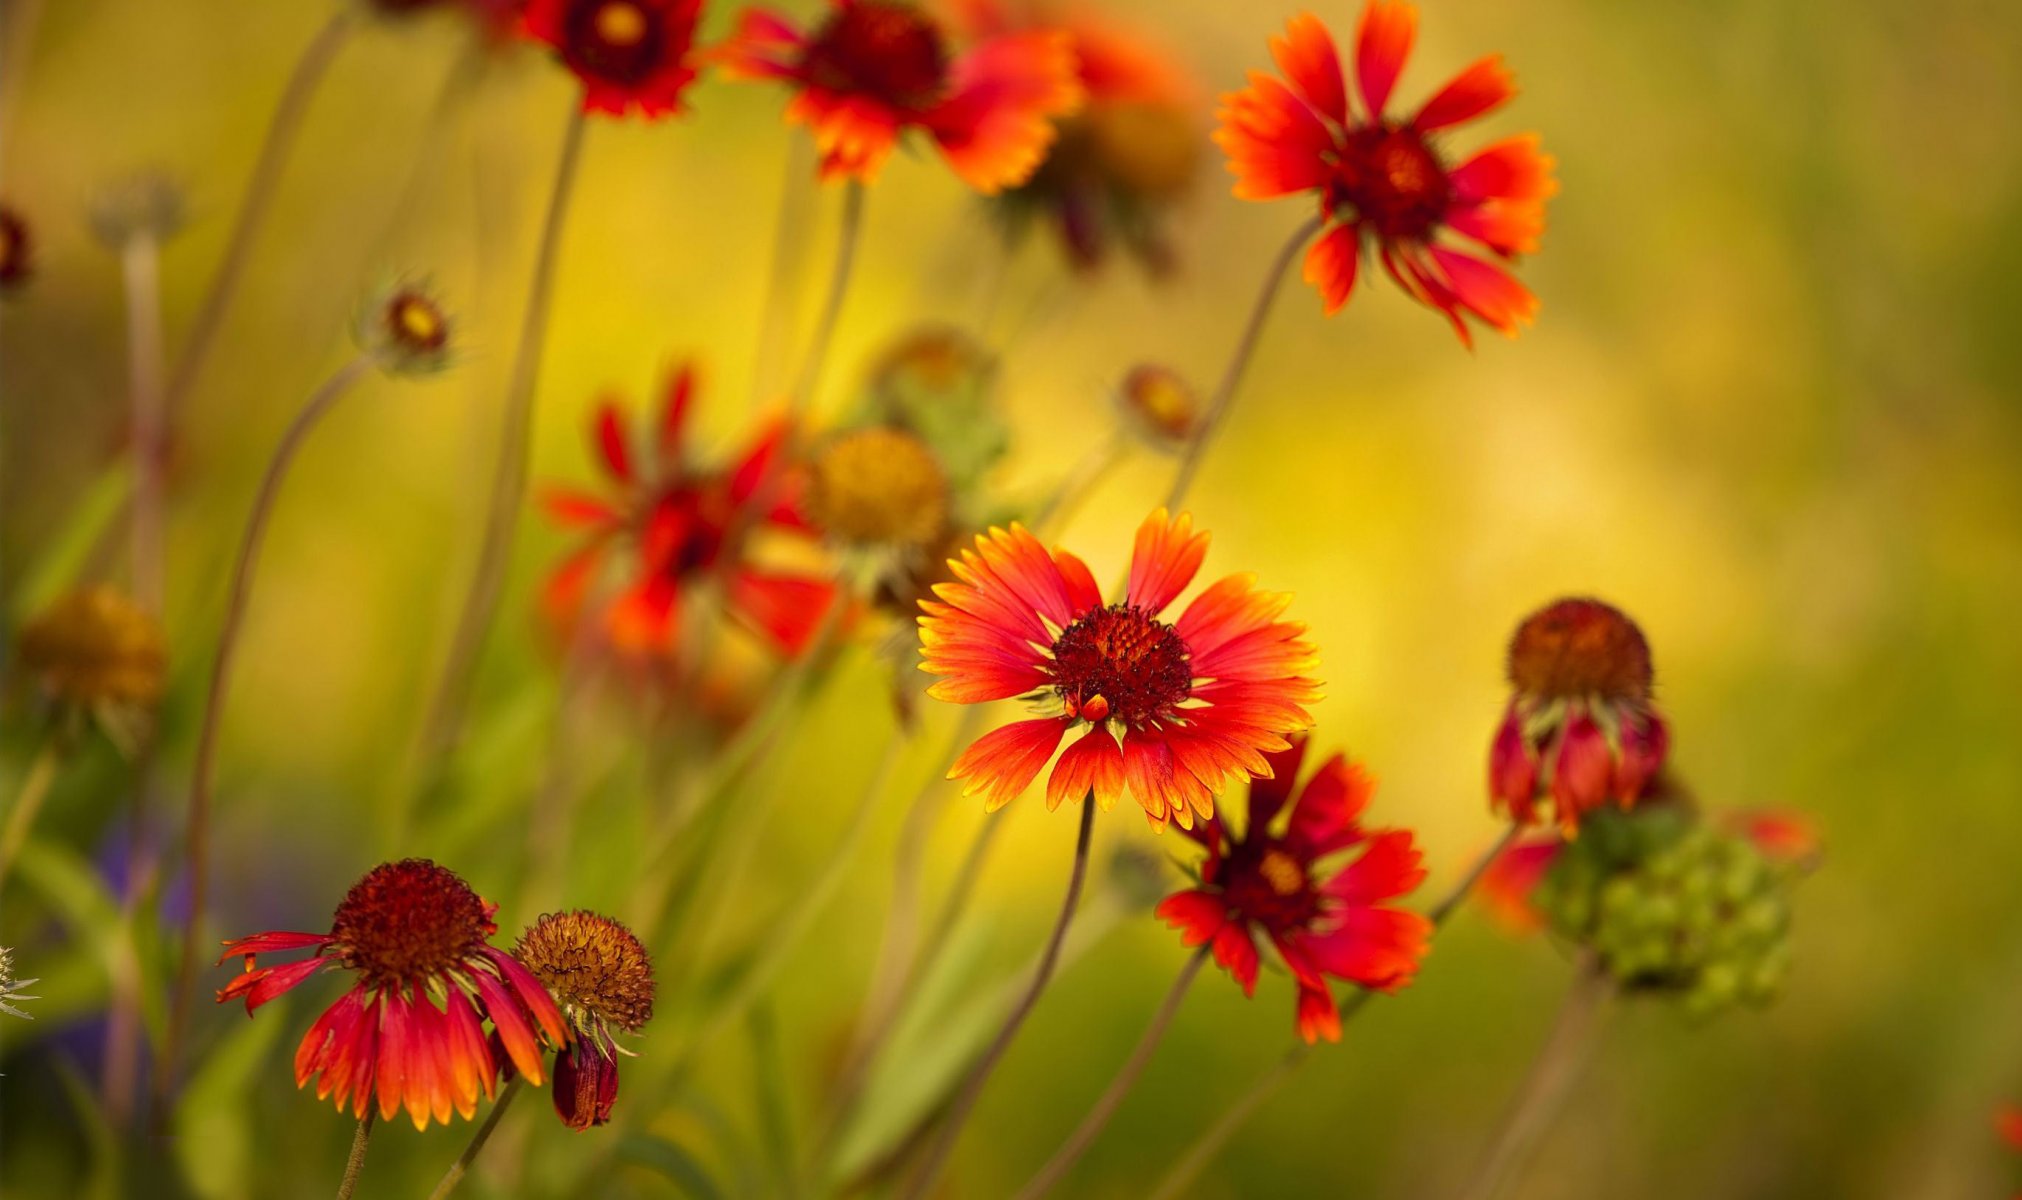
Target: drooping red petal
[(1318, 1017), (1645, 742), (1382, 44), (1004, 762), (533, 996), (1582, 771), (258, 987), (1236, 951), (1486, 290), (1307, 56), (1512, 769), (1003, 98), (510, 1021), (1094, 763), (1330, 266), (1485, 85)]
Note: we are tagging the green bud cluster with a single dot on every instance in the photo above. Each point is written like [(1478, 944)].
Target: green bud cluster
[(1674, 906)]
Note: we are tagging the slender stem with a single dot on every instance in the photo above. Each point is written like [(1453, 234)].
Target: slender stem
[(1544, 1090), (197, 835), (929, 1173), (356, 1163), (28, 802), (1076, 486), (831, 310), (1239, 361), (461, 1167), (509, 476), (956, 902), (789, 243), (1092, 1125), (283, 130), (1209, 1144), (140, 269)]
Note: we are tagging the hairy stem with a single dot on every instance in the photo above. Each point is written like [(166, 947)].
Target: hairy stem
[(355, 1164)]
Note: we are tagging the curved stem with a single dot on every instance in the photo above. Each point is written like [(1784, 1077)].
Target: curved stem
[(140, 271), (509, 476), (282, 132), (197, 835), (1075, 487), (1239, 361), (1544, 1090), (1091, 1126), (847, 238), (356, 1163), (1203, 1150), (929, 1173), (461, 1167), (28, 803)]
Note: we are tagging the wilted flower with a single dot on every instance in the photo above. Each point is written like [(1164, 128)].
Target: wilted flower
[(874, 69), (403, 326), (1580, 726), (10, 987), (1292, 881), (598, 971), (146, 204), (97, 653), (1127, 157), (1196, 703), (1160, 404), (677, 524), (17, 250), (878, 486), (627, 53), (414, 934), (1385, 186)]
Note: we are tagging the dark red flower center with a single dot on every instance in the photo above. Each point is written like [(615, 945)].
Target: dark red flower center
[(13, 247), (687, 528), (884, 49), (1393, 180), (1119, 662), (1267, 884), (408, 922), (1580, 647), (619, 40)]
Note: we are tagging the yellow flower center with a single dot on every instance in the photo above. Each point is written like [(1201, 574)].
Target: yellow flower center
[(1283, 873), (620, 24), (879, 486)]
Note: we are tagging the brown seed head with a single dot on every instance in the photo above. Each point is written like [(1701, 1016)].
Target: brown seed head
[(95, 647), (1580, 647), (594, 966)]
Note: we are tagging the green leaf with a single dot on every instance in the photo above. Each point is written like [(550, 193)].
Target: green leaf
[(671, 1161)]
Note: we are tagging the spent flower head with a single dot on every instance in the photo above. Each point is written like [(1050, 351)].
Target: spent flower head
[(598, 971), (878, 487), (96, 653)]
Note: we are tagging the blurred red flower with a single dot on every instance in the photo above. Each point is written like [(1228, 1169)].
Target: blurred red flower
[(1386, 180), (411, 931), (678, 525), (874, 69), (1196, 702), (1295, 883), (627, 53)]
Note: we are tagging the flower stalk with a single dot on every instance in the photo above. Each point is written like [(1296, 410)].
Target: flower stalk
[(461, 1167), (28, 801), (355, 1164)]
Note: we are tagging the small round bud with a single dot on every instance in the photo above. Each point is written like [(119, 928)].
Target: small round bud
[(879, 486), (146, 204), (1160, 404), (406, 329)]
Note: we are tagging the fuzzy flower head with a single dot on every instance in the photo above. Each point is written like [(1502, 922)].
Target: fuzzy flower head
[(873, 70), (629, 54), (96, 653), (878, 487), (664, 525), (1387, 187), (10, 987), (1581, 728), (1127, 158), (17, 250), (1314, 883), (598, 971), (405, 328), (1168, 712), (416, 939)]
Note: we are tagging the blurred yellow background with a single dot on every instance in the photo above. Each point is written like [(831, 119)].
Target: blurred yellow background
[(1772, 407)]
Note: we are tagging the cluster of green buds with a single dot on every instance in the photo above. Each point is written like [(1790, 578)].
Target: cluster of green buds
[(1673, 905)]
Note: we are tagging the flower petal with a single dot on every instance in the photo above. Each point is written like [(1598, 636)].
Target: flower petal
[(1003, 97), (1093, 764), (1485, 85), (1005, 761), (1307, 56), (1163, 561), (1330, 266), (1382, 44)]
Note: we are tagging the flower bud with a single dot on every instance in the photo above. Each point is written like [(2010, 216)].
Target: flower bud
[(406, 329), (146, 204), (586, 1085), (1160, 405)]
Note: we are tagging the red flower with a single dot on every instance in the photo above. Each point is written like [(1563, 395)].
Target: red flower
[(680, 523), (1324, 920), (1580, 727), (1196, 702), (1385, 185), (628, 53), (412, 931), (876, 68)]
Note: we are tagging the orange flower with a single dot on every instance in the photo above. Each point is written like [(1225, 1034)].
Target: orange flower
[(411, 931), (1324, 922), (1385, 185), (627, 53), (876, 68), (1196, 702), (680, 522)]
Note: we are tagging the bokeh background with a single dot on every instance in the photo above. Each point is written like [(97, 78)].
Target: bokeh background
[(1772, 407)]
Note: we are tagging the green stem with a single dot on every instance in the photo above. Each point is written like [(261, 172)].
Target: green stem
[(444, 721), (928, 1175), (197, 834), (28, 803), (283, 130), (461, 1167), (1239, 361), (355, 1164), (816, 361), (1204, 1148), (1092, 1125)]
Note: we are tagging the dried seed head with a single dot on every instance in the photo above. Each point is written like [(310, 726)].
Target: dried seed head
[(1580, 647), (408, 922), (594, 966), (96, 648), (879, 486)]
